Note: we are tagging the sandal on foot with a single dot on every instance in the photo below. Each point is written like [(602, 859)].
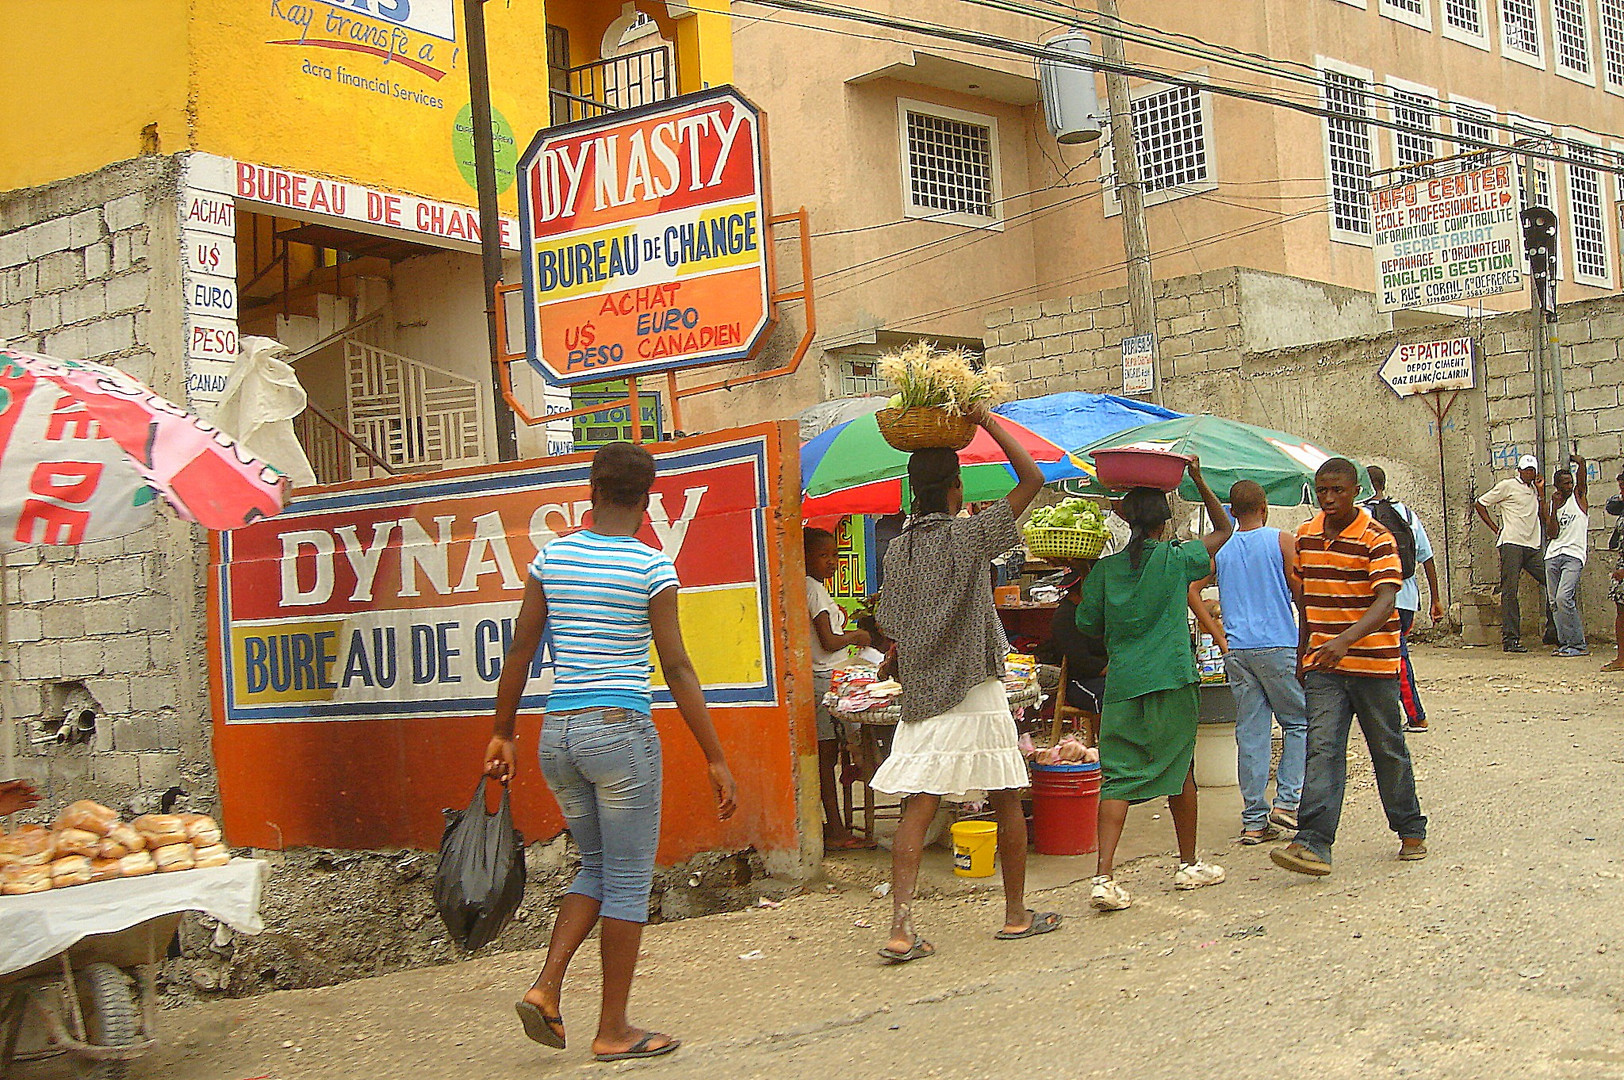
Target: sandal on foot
[(1614, 666), (1298, 858), (851, 843), (1042, 923), (918, 951), (1259, 836), (640, 1049), (547, 1030), (1412, 850)]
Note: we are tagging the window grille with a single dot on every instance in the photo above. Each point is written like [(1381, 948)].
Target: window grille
[(1519, 26), (1612, 42), (1413, 111), (1533, 174), (1589, 215), (950, 166), (1170, 135), (861, 378), (1572, 32), (1465, 16), (1472, 123), (1408, 10), (1348, 146)]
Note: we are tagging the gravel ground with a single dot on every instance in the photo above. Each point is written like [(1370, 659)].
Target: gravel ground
[(1496, 956)]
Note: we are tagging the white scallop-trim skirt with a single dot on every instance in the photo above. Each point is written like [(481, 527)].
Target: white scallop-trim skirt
[(972, 747)]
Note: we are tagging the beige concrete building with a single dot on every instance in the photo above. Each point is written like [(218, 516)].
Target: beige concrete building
[(937, 195)]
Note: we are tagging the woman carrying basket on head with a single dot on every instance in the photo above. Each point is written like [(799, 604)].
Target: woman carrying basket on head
[(956, 734), (1137, 600)]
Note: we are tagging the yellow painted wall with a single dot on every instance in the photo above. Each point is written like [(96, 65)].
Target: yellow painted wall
[(87, 77), (330, 87)]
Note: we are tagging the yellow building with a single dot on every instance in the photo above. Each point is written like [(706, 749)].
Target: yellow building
[(305, 172)]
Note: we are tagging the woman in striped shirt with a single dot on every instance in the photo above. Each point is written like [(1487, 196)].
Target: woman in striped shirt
[(605, 595)]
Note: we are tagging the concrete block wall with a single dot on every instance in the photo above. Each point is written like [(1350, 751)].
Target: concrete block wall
[(1075, 343), (90, 269)]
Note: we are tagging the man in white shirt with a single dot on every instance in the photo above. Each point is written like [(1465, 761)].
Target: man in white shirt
[(1520, 540), (1567, 523)]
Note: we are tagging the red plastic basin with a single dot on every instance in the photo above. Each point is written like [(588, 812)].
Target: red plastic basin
[(1131, 467)]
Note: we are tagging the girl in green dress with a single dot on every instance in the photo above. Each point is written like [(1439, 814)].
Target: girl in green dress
[(1136, 600)]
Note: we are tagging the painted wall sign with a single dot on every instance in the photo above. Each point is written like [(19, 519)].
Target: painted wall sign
[(1421, 367), (1139, 364), (1447, 239), (208, 237), (356, 640), (645, 240), (442, 223)]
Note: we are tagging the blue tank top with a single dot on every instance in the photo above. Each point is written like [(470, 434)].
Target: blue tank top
[(1253, 592)]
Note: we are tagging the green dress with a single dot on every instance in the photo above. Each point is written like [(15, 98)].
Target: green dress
[(1148, 719)]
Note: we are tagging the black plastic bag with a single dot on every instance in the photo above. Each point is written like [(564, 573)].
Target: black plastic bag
[(481, 877)]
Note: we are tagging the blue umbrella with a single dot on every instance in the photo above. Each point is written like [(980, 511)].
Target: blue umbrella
[(1074, 418)]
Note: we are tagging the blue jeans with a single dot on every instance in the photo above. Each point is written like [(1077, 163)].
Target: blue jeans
[(1264, 682), (1562, 590), (603, 766), (1334, 699)]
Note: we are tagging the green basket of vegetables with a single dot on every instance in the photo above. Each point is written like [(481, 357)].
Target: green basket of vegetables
[(1073, 529)]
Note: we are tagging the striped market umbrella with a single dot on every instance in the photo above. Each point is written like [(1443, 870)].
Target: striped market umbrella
[(851, 469), (1284, 464)]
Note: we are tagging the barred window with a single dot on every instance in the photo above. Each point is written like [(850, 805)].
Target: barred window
[(1465, 16), (1519, 26), (1533, 173), (1170, 135), (1572, 33), (1612, 43), (1589, 215), (1413, 12), (950, 166), (1413, 111), (1347, 135), (1471, 122)]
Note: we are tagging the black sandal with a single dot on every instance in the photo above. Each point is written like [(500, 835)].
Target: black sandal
[(547, 1030), (640, 1048), (1042, 923), (918, 951)]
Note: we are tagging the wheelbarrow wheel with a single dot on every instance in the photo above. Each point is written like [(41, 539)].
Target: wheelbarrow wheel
[(112, 1017)]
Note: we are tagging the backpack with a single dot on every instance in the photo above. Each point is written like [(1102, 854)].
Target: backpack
[(1395, 522)]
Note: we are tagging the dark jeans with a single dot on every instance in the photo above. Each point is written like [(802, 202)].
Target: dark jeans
[(1516, 560), (1334, 699)]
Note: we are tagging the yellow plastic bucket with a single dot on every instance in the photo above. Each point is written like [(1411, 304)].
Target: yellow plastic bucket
[(975, 845)]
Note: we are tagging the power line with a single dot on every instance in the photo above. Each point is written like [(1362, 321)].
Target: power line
[(1034, 52)]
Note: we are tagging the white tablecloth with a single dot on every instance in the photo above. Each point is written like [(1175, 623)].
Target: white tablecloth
[(37, 926)]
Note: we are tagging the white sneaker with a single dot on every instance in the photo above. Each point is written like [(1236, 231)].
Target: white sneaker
[(1107, 895), (1196, 874)]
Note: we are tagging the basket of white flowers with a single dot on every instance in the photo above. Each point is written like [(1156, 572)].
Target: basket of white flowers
[(936, 395)]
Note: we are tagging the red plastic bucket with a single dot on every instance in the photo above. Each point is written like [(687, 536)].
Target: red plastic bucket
[(1065, 808)]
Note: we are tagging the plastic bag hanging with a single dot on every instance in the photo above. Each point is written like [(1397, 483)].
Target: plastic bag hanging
[(480, 881)]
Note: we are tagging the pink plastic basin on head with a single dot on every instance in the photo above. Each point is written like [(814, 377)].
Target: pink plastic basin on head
[(1131, 467)]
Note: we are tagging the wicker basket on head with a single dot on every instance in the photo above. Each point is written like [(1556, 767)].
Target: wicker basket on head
[(923, 428)]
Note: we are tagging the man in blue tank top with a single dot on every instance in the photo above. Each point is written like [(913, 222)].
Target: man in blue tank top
[(1257, 583)]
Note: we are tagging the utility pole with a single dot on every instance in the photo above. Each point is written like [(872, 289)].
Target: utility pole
[(1130, 188), (490, 220), (1539, 248)]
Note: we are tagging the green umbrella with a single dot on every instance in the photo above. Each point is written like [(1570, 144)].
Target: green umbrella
[(1229, 450)]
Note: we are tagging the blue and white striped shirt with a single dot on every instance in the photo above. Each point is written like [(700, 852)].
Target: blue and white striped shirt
[(598, 590)]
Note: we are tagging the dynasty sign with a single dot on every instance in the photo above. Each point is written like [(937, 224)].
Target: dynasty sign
[(645, 241)]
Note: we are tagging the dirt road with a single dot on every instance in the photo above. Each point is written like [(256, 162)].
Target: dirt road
[(1498, 956)]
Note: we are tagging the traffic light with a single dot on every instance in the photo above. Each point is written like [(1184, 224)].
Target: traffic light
[(1539, 248)]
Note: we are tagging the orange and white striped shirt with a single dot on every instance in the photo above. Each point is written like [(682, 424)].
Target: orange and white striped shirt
[(1340, 574)]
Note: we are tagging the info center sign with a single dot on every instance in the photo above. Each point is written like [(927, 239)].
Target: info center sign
[(1447, 239), (645, 242)]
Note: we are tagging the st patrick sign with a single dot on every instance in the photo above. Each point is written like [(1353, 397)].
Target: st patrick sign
[(644, 240)]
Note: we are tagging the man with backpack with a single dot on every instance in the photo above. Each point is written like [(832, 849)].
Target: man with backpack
[(1414, 549)]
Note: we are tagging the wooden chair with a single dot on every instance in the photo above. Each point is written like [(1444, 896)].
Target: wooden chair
[(1089, 722)]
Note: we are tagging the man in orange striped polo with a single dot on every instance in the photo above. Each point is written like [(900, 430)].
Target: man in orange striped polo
[(1349, 661)]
